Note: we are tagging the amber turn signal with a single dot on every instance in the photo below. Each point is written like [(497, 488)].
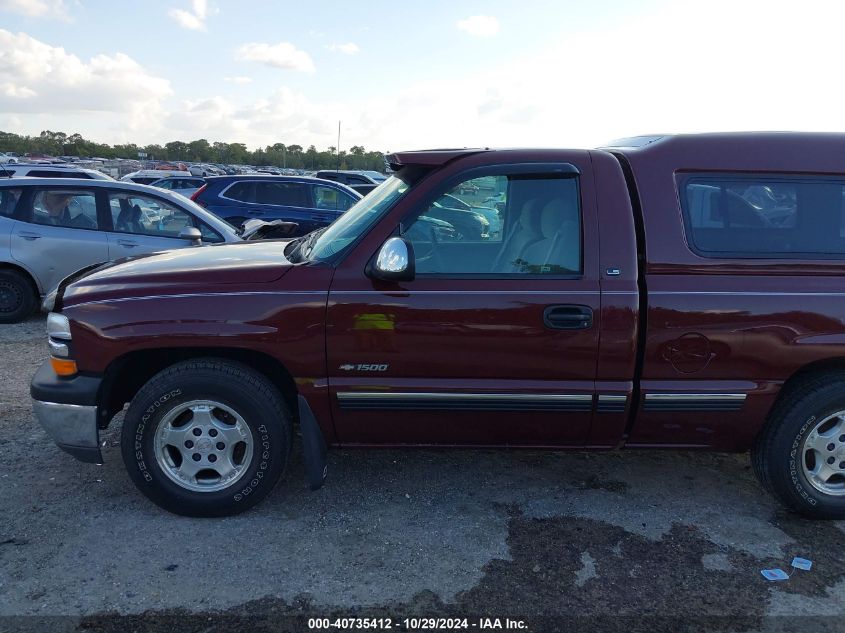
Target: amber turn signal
[(63, 366)]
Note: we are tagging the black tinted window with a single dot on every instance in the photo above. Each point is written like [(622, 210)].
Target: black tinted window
[(8, 201), (241, 191), (291, 194), (43, 173), (760, 216)]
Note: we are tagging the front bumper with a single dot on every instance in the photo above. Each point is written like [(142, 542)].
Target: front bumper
[(67, 409)]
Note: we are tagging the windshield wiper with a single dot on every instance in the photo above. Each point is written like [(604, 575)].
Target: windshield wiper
[(293, 248), (310, 239), (298, 249)]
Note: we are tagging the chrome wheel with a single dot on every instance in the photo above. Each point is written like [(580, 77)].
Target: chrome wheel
[(823, 455), (203, 445)]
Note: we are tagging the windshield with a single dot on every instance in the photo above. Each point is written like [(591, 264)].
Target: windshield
[(355, 222)]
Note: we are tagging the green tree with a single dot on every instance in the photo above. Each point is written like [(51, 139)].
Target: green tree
[(199, 150)]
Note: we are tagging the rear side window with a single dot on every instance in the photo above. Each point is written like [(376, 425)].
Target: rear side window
[(65, 207), (289, 194), (331, 198), (241, 191), (43, 173), (765, 216), (8, 201)]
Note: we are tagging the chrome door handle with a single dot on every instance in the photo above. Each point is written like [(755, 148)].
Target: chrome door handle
[(127, 244), (29, 236)]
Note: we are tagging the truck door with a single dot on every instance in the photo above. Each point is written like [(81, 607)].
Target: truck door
[(495, 340)]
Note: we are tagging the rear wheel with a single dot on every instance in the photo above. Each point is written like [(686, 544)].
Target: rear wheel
[(206, 438), (800, 455), (18, 297)]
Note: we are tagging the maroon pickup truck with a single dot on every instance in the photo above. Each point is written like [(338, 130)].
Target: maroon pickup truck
[(663, 292)]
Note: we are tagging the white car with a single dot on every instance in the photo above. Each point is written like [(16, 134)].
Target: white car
[(149, 176), (16, 170), (184, 185), (205, 170)]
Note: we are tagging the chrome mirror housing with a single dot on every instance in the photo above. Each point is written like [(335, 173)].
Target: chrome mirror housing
[(394, 261)]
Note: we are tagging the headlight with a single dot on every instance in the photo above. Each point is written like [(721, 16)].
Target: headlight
[(58, 326), (58, 329)]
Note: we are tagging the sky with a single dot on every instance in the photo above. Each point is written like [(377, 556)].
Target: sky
[(452, 73)]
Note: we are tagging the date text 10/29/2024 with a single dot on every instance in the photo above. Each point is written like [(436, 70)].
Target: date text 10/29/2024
[(417, 624)]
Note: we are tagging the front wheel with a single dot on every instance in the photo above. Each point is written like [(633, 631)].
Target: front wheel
[(206, 438), (18, 299), (800, 455)]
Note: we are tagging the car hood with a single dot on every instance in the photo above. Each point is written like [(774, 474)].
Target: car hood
[(182, 270)]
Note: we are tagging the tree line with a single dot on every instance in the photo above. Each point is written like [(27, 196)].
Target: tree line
[(199, 151)]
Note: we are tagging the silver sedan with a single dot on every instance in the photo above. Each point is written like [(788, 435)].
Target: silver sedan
[(52, 227)]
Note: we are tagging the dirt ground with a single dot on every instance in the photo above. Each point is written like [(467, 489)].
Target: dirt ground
[(652, 541)]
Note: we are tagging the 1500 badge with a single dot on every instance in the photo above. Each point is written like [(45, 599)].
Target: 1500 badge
[(365, 367)]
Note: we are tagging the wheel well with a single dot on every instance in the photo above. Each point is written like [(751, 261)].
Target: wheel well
[(815, 368), (126, 375), (802, 375), (25, 273)]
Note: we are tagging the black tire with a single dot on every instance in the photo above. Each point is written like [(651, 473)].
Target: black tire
[(232, 384), (18, 297), (776, 456)]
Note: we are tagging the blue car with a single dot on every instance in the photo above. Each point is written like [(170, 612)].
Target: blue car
[(311, 203)]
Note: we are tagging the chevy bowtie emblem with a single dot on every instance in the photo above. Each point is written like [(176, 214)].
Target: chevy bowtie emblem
[(347, 367)]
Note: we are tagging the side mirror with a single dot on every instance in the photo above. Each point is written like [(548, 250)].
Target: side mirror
[(394, 261), (191, 233)]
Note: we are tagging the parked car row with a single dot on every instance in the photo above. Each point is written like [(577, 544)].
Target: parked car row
[(18, 170)]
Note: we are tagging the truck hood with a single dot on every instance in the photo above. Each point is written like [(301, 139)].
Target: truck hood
[(182, 270)]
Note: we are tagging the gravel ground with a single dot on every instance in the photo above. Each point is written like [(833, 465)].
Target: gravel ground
[(567, 541)]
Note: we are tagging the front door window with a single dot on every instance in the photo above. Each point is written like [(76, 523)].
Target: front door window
[(501, 226)]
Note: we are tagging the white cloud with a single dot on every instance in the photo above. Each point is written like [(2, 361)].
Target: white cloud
[(36, 78), (350, 48), (36, 8), (699, 88), (194, 19), (480, 25), (238, 80), (630, 85), (282, 55)]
